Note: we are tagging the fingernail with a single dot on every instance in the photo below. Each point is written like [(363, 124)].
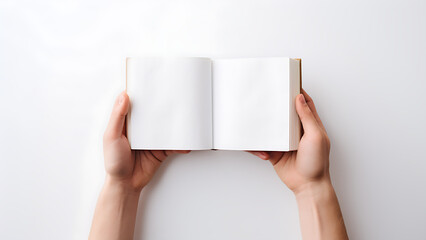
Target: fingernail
[(302, 99)]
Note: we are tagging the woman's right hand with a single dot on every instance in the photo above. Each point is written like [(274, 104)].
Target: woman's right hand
[(310, 163)]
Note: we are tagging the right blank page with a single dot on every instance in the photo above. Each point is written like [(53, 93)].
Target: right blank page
[(253, 104)]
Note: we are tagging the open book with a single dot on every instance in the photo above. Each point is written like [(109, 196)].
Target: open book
[(200, 103)]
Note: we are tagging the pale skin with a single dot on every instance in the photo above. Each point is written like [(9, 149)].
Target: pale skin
[(305, 172)]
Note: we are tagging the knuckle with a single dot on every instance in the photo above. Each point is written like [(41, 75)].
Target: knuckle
[(319, 138), (317, 135), (105, 136), (328, 141), (304, 116)]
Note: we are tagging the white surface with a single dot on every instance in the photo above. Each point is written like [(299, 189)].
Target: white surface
[(62, 64), (171, 103), (251, 104)]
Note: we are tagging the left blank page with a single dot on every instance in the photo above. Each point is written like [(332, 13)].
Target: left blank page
[(170, 103)]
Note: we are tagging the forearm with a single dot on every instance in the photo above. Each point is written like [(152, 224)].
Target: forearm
[(115, 213), (319, 212)]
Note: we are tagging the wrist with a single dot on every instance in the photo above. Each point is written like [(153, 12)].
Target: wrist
[(115, 213), (315, 190), (319, 212), (121, 187)]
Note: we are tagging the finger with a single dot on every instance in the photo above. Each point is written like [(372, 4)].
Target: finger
[(171, 152), (149, 155), (261, 154), (311, 105), (276, 157), (160, 155), (182, 151), (115, 126), (305, 114)]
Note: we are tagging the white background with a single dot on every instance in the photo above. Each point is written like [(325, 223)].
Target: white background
[(62, 64)]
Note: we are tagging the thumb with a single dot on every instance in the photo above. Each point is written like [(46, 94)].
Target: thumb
[(305, 114), (116, 122)]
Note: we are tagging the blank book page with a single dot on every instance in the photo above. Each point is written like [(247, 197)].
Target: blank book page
[(171, 103), (251, 104)]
